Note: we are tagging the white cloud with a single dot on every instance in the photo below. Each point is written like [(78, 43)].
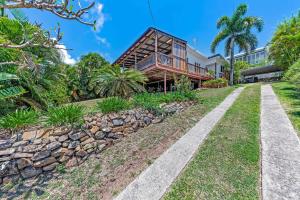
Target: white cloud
[(66, 57), (98, 9)]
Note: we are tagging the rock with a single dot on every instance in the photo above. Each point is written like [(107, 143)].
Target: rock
[(60, 131), (157, 120), (113, 136), (73, 144), (59, 152), (135, 125), (7, 152), (72, 162), (13, 168), (89, 146), (118, 129), (41, 155), (94, 129), (100, 147), (50, 167), (4, 167), (29, 135), (20, 143), (30, 148), (64, 158), (4, 144), (118, 122), (29, 172), (65, 144), (63, 138), (84, 138), (76, 136), (37, 141), (147, 120), (44, 162), (106, 130), (88, 141), (100, 135), (81, 153), (5, 158), (138, 115), (23, 162), (44, 133), (22, 155), (53, 145), (78, 148)]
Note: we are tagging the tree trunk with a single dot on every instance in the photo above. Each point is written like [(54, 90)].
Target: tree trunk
[(231, 63)]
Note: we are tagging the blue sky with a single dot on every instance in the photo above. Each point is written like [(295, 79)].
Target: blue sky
[(121, 22)]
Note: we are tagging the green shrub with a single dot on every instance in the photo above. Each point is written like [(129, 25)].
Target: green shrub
[(293, 73), (216, 83), (64, 115), (113, 104), (19, 119), (183, 84)]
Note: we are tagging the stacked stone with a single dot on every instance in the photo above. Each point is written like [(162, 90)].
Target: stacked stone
[(39, 150)]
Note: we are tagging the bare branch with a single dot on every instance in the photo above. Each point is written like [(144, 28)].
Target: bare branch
[(63, 9)]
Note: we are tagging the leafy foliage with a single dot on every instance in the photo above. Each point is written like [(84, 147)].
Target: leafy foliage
[(183, 84), (64, 115), (114, 81), (285, 44), (80, 76), (293, 74), (19, 119), (239, 66), (236, 30), (216, 83), (113, 104)]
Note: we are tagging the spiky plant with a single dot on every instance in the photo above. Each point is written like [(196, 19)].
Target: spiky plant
[(236, 31), (114, 81)]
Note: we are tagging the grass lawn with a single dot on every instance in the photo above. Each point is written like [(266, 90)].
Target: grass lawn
[(290, 99), (227, 164), (116, 167)]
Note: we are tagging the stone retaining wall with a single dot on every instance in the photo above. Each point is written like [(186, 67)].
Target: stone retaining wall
[(39, 150)]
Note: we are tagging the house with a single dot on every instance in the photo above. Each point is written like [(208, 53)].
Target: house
[(255, 57), (162, 57)]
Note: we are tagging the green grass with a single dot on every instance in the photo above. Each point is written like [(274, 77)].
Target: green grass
[(289, 97), (227, 164), (113, 104)]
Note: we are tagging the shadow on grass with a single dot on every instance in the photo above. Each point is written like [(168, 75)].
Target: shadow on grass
[(28, 187)]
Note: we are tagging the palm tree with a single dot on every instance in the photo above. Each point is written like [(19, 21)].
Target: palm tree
[(114, 81), (236, 30)]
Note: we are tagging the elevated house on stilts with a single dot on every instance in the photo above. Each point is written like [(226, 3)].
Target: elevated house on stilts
[(162, 57)]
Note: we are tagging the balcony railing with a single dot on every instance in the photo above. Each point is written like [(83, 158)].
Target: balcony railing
[(172, 62)]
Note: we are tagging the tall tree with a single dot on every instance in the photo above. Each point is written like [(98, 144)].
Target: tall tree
[(236, 31)]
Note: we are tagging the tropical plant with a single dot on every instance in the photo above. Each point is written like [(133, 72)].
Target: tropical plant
[(293, 74), (285, 44), (183, 84), (238, 67), (65, 115), (79, 77), (114, 81), (9, 91), (113, 104), (19, 119), (236, 30)]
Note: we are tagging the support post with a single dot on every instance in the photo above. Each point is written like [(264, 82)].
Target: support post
[(135, 59), (199, 83), (165, 82), (156, 48)]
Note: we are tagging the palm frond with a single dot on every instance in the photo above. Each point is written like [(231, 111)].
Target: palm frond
[(223, 22), (11, 92), (6, 76), (255, 22), (221, 36)]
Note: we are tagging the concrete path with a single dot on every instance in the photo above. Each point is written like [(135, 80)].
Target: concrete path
[(280, 150), (156, 179)]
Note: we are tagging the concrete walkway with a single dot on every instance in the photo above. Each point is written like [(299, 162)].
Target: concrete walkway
[(156, 179), (280, 150)]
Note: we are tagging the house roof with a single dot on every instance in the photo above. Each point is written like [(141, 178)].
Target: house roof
[(145, 45), (260, 70)]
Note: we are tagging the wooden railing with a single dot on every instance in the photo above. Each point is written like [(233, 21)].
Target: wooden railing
[(172, 62)]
